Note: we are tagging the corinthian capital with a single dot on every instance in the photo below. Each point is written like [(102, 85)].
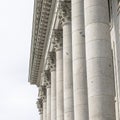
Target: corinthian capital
[(65, 11), (57, 39), (51, 61), (40, 105), (42, 92), (45, 77)]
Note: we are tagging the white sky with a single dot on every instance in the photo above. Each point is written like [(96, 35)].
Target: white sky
[(17, 96)]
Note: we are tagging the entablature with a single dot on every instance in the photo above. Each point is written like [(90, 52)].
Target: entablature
[(41, 17)]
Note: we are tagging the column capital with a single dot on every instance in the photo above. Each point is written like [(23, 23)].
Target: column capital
[(42, 93), (45, 77), (57, 39), (40, 105), (51, 61), (65, 11)]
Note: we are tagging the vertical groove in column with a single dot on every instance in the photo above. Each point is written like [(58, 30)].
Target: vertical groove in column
[(79, 61), (59, 85), (99, 61), (53, 95), (48, 103)]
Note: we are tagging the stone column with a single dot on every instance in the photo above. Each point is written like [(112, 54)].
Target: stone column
[(42, 101), (65, 17), (47, 83), (119, 55), (52, 67), (59, 74), (40, 107), (79, 61), (101, 91), (48, 102)]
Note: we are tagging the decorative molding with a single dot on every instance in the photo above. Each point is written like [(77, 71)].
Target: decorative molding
[(42, 10)]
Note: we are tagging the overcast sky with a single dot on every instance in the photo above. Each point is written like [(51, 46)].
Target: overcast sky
[(17, 96)]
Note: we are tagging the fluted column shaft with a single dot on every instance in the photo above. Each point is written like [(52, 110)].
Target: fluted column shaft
[(48, 102), (59, 85), (79, 61), (53, 94), (99, 61)]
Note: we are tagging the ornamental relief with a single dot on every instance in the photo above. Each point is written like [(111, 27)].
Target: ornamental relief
[(64, 11), (57, 38)]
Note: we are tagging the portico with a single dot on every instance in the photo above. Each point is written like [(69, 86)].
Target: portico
[(75, 59)]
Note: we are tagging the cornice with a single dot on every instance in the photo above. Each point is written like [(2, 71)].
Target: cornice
[(47, 40), (42, 10)]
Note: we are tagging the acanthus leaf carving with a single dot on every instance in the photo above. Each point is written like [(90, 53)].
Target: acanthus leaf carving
[(57, 39), (51, 61), (64, 11)]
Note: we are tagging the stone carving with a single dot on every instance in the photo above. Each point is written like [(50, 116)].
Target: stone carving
[(40, 105), (41, 17), (45, 77), (57, 39), (42, 93), (65, 11), (51, 61)]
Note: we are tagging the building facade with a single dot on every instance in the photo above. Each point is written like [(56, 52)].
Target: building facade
[(75, 59)]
